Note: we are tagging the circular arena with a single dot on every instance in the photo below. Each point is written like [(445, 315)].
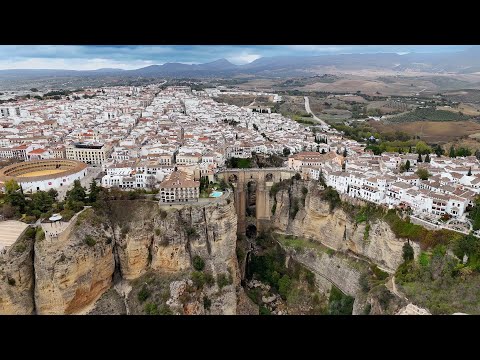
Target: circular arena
[(44, 174)]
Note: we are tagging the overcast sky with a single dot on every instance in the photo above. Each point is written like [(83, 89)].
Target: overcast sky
[(132, 57)]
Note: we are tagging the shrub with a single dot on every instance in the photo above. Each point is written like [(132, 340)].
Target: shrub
[(143, 294), (209, 279), (297, 176), (198, 279), (207, 303), (165, 310), (151, 309), (163, 214), (191, 232), (284, 286), (30, 233), (39, 234), (223, 280), (20, 248), (157, 232), (364, 283), (274, 208), (310, 278), (108, 241), (407, 252), (198, 263), (11, 281), (304, 190), (67, 214), (89, 240), (30, 219), (263, 310)]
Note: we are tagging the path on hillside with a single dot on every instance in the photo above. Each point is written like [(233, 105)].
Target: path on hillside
[(393, 288), (307, 108)]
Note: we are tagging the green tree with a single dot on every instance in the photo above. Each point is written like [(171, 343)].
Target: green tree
[(439, 151), (77, 193), (41, 201), (286, 151), (422, 148), (53, 194), (407, 165), (93, 191), (419, 158), (452, 152), (423, 174), (407, 252), (14, 195)]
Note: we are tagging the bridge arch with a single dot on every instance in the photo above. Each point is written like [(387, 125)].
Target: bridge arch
[(264, 179)]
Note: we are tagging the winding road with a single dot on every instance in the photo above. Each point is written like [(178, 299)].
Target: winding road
[(307, 108)]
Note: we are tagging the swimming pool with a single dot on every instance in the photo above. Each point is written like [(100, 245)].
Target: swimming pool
[(216, 194)]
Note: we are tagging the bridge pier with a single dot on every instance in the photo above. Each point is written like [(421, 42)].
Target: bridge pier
[(264, 179)]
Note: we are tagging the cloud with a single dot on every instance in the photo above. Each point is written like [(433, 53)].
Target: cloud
[(243, 58), (79, 57)]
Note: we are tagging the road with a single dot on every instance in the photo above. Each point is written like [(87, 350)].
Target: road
[(307, 108)]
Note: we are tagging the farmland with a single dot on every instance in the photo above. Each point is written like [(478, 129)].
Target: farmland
[(430, 131)]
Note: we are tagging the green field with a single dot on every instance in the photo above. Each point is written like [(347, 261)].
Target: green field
[(429, 114)]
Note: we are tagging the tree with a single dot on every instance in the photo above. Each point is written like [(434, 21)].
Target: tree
[(77, 193), (41, 201), (469, 171), (427, 158), (14, 195), (93, 193), (34, 90), (422, 148), (407, 165), (423, 174), (419, 158), (53, 194), (286, 151), (345, 153), (452, 152), (439, 151), (408, 253)]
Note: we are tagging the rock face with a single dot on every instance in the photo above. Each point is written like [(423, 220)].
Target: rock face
[(17, 279), (157, 238), (342, 271), (71, 274), (336, 229)]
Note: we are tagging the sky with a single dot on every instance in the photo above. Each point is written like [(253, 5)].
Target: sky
[(90, 57)]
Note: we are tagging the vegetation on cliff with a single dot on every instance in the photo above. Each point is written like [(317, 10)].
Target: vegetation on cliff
[(295, 284)]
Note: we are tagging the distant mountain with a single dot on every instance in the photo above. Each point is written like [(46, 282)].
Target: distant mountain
[(467, 61)]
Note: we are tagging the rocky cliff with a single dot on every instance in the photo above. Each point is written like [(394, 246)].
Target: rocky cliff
[(17, 279), (336, 229), (71, 273), (125, 240)]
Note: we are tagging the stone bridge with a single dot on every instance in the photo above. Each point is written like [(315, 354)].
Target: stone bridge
[(264, 179)]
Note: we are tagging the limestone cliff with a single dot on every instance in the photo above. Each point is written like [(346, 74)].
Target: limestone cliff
[(335, 228), (17, 279), (73, 271)]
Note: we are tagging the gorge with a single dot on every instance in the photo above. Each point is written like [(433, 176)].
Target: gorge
[(140, 257)]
